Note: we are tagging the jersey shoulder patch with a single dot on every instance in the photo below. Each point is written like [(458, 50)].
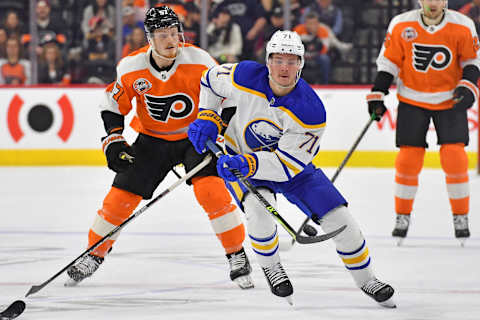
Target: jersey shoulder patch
[(134, 62)]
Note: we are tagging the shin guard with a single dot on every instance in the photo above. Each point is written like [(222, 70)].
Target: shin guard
[(408, 164), (224, 216), (118, 205), (454, 162), (262, 229), (351, 245)]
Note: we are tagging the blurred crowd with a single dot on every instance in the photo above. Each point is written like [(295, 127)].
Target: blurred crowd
[(77, 38)]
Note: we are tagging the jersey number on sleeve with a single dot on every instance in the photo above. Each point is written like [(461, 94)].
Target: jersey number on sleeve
[(310, 143)]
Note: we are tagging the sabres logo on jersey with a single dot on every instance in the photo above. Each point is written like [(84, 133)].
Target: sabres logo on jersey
[(262, 134), (427, 56), (177, 106)]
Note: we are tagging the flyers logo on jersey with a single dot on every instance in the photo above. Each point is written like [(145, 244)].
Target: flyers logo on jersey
[(427, 56), (177, 106)]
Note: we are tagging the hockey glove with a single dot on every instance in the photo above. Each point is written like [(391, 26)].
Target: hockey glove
[(464, 95), (120, 156), (376, 106), (245, 163), (207, 126)]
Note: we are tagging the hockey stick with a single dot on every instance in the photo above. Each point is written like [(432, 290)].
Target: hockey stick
[(190, 174), (299, 238), (304, 225)]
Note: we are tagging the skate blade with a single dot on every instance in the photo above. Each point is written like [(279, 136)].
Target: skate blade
[(399, 241), (389, 303), (462, 241), (71, 283), (244, 282), (289, 299)]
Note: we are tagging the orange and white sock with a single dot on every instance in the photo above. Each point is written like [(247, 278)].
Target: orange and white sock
[(454, 162), (118, 205), (224, 216), (408, 164)]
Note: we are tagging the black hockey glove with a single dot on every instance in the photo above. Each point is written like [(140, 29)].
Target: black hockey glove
[(120, 156), (464, 95), (376, 106)]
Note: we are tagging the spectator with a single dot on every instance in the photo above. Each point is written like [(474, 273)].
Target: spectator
[(99, 10), (99, 53), (3, 43), (51, 68), (328, 14), (315, 37), (14, 70), (48, 29), (135, 41), (129, 22), (191, 25), (276, 22), (12, 25), (472, 10), (250, 16), (224, 38)]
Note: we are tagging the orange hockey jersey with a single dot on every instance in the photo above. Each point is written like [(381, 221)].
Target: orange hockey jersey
[(428, 60), (167, 101)]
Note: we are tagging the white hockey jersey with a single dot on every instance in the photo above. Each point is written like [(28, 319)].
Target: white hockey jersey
[(283, 132)]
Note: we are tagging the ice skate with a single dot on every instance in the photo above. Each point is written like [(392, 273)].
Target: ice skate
[(380, 292), (84, 268), (460, 223), (279, 283), (401, 228), (240, 269)]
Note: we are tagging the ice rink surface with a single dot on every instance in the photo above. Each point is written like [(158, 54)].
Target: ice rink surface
[(167, 264)]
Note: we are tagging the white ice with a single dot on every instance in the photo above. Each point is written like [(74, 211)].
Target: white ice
[(168, 264)]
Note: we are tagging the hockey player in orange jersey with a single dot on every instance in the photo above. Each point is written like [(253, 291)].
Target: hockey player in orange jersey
[(164, 78), (433, 53)]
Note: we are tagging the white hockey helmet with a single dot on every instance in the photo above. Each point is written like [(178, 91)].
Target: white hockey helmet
[(286, 42)]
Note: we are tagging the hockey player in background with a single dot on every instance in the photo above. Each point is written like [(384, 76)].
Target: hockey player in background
[(433, 53), (164, 78), (272, 139)]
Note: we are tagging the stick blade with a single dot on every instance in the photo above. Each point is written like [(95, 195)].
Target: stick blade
[(13, 311), (34, 289), (320, 238)]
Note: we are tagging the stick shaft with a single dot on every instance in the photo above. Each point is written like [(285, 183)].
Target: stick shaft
[(190, 174)]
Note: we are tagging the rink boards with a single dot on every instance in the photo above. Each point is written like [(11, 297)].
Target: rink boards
[(62, 126)]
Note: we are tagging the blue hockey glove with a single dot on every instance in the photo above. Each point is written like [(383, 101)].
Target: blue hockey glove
[(120, 156), (464, 95), (376, 105), (207, 126), (245, 163)]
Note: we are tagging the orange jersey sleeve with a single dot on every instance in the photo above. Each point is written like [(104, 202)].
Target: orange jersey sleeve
[(166, 101), (428, 60)]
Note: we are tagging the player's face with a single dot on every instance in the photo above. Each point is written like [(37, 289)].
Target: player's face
[(284, 68), (433, 8), (166, 41)]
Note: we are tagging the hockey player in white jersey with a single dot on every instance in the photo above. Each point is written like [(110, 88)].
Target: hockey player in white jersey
[(274, 103)]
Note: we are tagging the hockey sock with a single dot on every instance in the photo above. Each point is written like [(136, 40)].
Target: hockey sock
[(350, 243), (224, 216), (262, 229), (454, 162), (408, 164), (118, 205)]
